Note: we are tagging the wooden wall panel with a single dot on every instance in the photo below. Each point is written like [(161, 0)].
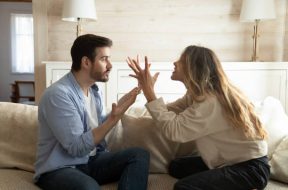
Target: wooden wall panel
[(17, 1), (40, 45), (285, 42), (155, 27), (161, 29)]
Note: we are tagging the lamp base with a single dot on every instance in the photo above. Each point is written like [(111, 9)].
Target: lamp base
[(255, 36), (79, 27), (255, 58)]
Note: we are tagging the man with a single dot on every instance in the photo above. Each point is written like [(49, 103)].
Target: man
[(72, 126)]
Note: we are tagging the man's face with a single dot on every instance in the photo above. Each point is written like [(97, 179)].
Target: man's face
[(101, 66)]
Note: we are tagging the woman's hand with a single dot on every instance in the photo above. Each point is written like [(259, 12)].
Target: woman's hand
[(145, 80)]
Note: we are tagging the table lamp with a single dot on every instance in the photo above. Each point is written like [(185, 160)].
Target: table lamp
[(79, 11), (255, 11)]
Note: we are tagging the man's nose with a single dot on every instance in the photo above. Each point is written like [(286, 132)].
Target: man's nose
[(109, 64)]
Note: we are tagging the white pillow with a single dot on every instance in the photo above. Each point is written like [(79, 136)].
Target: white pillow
[(275, 121), (137, 129)]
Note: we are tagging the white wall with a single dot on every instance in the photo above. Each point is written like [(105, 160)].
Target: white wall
[(6, 77)]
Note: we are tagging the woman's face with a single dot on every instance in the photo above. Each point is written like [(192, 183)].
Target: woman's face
[(178, 73)]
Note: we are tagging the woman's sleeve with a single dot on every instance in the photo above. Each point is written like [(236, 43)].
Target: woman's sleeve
[(179, 105), (194, 122)]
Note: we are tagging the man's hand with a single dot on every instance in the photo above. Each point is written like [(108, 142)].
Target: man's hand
[(123, 104), (117, 112)]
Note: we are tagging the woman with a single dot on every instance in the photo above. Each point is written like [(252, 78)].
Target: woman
[(229, 136)]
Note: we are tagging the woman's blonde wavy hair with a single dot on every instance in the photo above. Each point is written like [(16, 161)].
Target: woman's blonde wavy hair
[(204, 76)]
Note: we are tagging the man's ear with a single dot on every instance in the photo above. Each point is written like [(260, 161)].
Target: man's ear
[(85, 62)]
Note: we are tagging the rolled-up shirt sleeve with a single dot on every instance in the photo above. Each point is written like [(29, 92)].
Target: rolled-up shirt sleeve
[(61, 115)]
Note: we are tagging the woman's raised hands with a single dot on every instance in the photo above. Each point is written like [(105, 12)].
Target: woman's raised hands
[(145, 80)]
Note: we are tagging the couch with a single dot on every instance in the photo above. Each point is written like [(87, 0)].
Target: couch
[(18, 138)]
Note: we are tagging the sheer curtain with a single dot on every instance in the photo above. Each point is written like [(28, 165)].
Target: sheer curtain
[(22, 43)]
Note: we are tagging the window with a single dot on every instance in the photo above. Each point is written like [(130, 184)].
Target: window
[(22, 43)]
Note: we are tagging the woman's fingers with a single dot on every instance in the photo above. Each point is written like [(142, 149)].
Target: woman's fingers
[(140, 74), (134, 76), (136, 63), (132, 65), (135, 66)]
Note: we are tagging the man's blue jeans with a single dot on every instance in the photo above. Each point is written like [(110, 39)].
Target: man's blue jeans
[(129, 167)]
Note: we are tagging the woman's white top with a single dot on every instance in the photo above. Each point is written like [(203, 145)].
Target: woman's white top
[(217, 141)]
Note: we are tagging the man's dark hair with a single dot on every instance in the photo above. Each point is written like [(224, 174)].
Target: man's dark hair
[(86, 45)]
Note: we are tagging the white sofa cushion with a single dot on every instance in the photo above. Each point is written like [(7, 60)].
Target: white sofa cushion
[(275, 120)]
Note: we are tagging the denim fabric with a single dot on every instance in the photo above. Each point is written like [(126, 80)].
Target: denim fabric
[(129, 167), (251, 174), (185, 166)]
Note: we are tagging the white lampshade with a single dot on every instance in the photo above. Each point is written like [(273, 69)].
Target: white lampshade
[(83, 9), (257, 9)]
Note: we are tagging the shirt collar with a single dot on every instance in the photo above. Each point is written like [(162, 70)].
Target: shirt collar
[(77, 87)]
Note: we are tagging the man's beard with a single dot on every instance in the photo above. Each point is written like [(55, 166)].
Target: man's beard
[(99, 77)]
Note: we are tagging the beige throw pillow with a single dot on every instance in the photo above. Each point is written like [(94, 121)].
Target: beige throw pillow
[(137, 129), (18, 136), (279, 162)]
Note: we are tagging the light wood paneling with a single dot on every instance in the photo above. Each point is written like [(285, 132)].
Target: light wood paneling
[(40, 44), (285, 42), (161, 29), (21, 1), (155, 27)]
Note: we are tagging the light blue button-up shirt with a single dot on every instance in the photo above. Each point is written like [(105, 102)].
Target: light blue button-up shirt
[(64, 137)]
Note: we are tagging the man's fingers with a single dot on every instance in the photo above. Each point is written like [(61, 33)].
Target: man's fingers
[(136, 90), (113, 107), (146, 64)]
